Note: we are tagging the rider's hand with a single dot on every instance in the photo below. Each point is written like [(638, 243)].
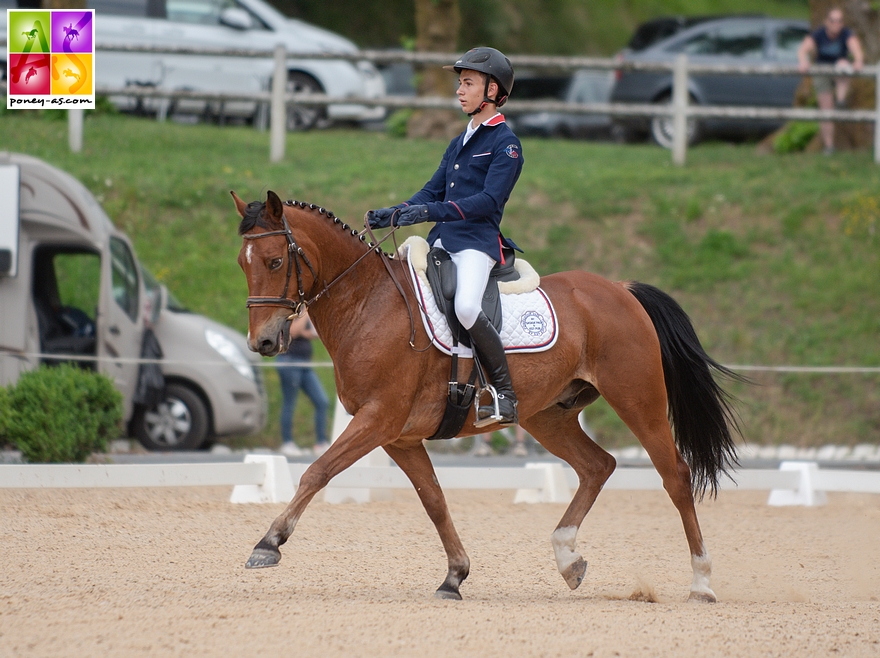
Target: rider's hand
[(380, 218), (412, 215)]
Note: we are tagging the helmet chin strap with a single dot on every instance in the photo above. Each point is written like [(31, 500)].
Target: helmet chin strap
[(486, 99)]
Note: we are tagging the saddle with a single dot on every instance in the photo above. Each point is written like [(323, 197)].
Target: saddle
[(442, 276)]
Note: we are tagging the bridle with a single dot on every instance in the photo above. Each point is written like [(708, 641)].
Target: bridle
[(295, 253)]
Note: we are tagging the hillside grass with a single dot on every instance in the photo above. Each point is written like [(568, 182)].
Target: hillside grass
[(776, 258)]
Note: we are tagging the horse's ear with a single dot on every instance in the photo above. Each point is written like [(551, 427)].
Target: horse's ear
[(274, 207), (240, 205)]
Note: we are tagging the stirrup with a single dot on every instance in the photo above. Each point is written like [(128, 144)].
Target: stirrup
[(495, 416)]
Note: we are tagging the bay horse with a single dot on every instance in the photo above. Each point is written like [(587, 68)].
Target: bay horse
[(627, 342)]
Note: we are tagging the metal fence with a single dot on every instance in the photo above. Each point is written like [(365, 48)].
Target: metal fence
[(680, 109)]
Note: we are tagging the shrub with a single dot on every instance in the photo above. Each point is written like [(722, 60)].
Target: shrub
[(396, 124), (795, 136), (62, 414)]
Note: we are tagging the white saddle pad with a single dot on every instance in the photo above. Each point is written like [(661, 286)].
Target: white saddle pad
[(528, 319)]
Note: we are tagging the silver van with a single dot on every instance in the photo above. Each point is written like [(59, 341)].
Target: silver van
[(71, 289)]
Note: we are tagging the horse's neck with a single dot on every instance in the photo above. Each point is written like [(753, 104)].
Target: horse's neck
[(362, 302)]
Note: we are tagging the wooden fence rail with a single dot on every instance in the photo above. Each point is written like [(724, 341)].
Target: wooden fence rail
[(277, 97)]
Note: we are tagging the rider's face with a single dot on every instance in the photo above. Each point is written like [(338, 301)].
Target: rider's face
[(471, 86), (834, 22)]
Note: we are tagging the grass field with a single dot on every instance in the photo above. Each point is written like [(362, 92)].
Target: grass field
[(776, 258)]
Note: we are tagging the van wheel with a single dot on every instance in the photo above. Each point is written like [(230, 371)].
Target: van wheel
[(301, 117), (662, 131), (179, 422)]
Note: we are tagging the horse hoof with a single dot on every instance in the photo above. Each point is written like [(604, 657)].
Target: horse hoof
[(702, 597), (447, 594), (262, 558), (575, 572)]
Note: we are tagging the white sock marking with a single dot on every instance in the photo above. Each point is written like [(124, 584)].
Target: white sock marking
[(702, 565), (563, 540)]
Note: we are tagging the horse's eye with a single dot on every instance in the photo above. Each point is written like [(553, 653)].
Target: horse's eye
[(275, 263)]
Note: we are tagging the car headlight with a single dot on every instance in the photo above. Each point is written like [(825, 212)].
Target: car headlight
[(230, 352)]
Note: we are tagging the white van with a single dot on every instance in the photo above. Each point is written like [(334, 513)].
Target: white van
[(71, 288)]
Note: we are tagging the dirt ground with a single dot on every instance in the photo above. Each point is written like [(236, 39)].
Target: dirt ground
[(160, 572)]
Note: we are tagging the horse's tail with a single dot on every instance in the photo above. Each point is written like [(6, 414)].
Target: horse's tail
[(700, 411)]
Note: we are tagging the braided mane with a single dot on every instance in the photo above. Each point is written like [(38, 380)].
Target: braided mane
[(253, 216)]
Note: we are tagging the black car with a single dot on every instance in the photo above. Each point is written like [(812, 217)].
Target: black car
[(740, 40)]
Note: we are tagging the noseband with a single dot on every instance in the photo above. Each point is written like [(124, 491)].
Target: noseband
[(294, 254)]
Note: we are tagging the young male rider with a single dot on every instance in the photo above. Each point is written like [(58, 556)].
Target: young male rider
[(465, 198)]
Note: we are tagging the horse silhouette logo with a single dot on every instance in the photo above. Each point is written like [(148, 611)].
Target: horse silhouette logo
[(70, 33), (30, 74), (30, 35)]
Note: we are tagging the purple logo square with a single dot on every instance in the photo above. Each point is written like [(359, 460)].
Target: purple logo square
[(72, 31)]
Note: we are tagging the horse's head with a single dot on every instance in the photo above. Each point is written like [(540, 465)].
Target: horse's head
[(276, 271)]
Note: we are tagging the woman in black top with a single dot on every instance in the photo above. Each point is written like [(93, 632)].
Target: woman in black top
[(831, 44)]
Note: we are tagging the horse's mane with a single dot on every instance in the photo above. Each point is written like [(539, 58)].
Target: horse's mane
[(253, 216)]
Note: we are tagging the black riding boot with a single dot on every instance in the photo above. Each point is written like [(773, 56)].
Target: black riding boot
[(487, 343)]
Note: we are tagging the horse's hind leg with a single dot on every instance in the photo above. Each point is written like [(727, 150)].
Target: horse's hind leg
[(645, 415), (559, 431), (415, 462)]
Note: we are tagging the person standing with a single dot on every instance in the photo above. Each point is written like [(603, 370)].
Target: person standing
[(834, 44), (296, 376), (465, 198)]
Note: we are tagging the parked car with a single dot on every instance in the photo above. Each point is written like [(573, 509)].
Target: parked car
[(71, 288), (582, 86), (223, 25), (740, 40), (658, 29)]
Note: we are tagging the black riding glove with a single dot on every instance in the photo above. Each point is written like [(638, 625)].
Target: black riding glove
[(411, 215), (380, 218)]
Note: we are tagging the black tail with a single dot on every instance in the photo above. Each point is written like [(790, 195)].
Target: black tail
[(700, 411)]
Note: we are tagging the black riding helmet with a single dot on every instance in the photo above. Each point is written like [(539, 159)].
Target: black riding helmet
[(493, 63)]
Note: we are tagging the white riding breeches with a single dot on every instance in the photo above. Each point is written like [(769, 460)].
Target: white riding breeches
[(472, 274)]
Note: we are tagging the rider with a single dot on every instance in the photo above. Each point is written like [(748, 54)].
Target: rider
[(465, 198)]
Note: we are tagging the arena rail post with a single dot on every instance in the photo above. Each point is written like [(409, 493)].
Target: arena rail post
[(679, 109), (75, 129), (277, 484), (877, 115), (278, 111), (806, 493)]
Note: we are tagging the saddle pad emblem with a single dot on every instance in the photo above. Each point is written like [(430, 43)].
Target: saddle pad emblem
[(533, 323), (529, 319)]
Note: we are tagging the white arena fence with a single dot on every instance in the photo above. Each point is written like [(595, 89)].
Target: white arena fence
[(679, 109), (264, 478)]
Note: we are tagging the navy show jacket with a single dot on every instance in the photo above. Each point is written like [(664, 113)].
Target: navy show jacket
[(467, 193)]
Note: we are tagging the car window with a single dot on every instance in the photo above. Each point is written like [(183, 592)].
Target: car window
[(745, 41), (204, 12), (788, 40), (125, 278), (591, 88)]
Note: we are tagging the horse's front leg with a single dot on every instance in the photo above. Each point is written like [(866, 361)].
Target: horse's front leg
[(414, 461), (366, 431)]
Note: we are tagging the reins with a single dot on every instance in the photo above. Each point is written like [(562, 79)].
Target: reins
[(295, 253)]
